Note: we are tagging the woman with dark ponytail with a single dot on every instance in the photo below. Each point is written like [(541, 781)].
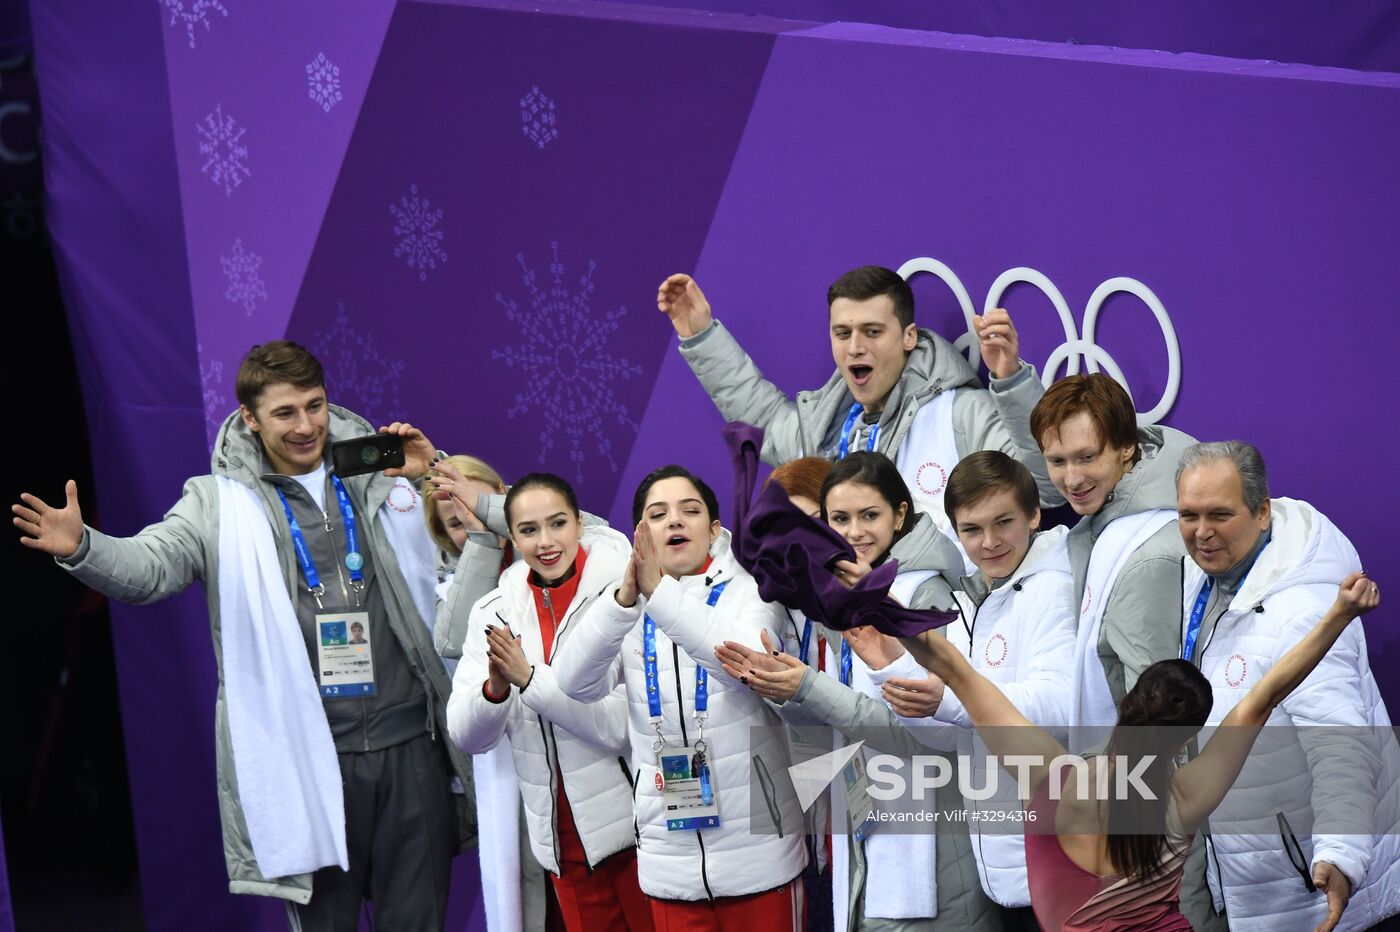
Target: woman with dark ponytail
[(1091, 864)]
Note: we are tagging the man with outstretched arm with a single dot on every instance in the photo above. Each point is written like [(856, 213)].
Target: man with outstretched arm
[(898, 389), (335, 785)]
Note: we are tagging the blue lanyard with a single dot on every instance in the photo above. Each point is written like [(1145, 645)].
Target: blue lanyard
[(805, 645), (702, 678), (850, 425), (1193, 627), (847, 662), (354, 560)]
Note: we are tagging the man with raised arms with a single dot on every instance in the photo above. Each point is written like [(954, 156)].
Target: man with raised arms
[(898, 389)]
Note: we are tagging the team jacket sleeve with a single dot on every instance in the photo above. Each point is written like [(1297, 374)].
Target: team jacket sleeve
[(478, 573), (588, 671), (602, 723), (738, 616), (161, 559), (475, 723), (741, 393), (1000, 419)]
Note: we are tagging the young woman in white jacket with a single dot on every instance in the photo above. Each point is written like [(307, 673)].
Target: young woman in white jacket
[(719, 830), (567, 753), (888, 880), (1017, 628)]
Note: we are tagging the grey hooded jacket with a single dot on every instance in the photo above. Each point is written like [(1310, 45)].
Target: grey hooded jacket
[(1141, 622), (164, 558), (998, 419)]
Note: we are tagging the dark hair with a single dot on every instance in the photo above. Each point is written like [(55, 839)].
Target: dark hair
[(1167, 707), (707, 494), (274, 363), (872, 281), (880, 473), (985, 473), (802, 476), (1107, 403), (542, 480)]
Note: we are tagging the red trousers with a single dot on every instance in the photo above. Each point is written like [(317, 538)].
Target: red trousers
[(777, 910), (605, 898)]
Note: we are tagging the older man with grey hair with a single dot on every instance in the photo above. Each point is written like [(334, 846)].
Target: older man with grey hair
[(1264, 572)]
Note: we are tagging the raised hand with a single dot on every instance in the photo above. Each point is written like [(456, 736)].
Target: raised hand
[(998, 343), (680, 299), (505, 654), (449, 485), (56, 531), (913, 698), (418, 451), (774, 675), (647, 562), (1357, 596), (875, 650), (850, 572), (627, 590)]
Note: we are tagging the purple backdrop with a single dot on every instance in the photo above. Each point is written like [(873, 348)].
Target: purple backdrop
[(465, 208)]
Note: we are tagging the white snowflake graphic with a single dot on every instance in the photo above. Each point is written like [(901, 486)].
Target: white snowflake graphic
[(537, 118), (221, 144), (323, 82), (211, 378), (420, 242), (571, 377), (243, 269), (358, 376), (194, 13)]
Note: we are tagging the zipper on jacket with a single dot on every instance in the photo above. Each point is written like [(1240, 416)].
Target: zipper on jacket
[(636, 828), (704, 874), (680, 696), (564, 788), (553, 808)]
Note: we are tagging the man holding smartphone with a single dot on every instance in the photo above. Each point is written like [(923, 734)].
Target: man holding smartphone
[(333, 785)]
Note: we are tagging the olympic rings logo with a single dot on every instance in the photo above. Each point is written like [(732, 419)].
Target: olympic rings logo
[(1075, 347)]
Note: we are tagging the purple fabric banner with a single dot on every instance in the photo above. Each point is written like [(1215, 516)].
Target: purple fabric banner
[(465, 209)]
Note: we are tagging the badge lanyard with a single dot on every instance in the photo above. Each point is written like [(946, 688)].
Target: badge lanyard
[(1198, 611), (849, 426), (805, 645), (847, 662), (702, 678), (354, 560)]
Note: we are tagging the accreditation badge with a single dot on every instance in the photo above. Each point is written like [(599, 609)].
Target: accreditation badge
[(687, 790), (859, 805), (344, 655)]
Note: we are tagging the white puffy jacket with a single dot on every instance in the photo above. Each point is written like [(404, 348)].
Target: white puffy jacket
[(1022, 639), (758, 845), (550, 734), (1291, 585)]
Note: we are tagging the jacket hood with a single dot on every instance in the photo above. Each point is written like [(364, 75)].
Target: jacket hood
[(1151, 484), (238, 452), (925, 547), (1306, 548)]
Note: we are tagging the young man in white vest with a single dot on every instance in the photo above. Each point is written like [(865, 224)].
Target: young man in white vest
[(335, 785), (898, 389), (1261, 573), (1125, 555)]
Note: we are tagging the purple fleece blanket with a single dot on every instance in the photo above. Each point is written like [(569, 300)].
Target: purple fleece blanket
[(790, 555)]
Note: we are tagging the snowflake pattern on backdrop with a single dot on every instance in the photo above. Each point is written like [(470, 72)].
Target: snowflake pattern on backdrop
[(243, 269), (358, 376), (537, 118), (415, 224), (223, 149), (571, 377), (323, 82), (194, 13), (211, 379)]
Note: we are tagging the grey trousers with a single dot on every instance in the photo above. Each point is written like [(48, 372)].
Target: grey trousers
[(399, 835)]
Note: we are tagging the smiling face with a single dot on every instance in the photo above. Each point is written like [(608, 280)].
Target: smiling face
[(545, 530), (293, 424), (1082, 467), (680, 525), (996, 533), (861, 514), (869, 347), (1217, 526)]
